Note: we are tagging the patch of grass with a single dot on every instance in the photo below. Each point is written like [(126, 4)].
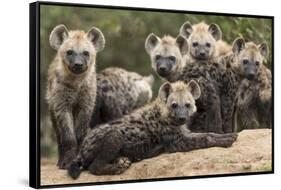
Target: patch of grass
[(266, 166)]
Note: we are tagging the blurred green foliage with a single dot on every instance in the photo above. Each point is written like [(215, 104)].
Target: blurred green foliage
[(125, 32)]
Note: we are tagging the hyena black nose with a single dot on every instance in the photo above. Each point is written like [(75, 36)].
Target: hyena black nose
[(163, 69), (202, 54), (78, 65), (182, 119), (251, 76)]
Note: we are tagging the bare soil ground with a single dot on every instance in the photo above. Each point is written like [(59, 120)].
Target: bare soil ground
[(250, 153)]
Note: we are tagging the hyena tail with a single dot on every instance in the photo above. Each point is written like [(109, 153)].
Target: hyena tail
[(74, 169)]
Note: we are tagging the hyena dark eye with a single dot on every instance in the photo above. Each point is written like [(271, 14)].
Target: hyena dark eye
[(86, 53), (69, 52), (172, 58), (257, 63), (187, 105), (158, 57), (208, 44), (245, 61), (195, 44), (174, 105)]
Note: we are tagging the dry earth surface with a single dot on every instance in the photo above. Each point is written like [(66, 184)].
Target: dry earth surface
[(250, 153)]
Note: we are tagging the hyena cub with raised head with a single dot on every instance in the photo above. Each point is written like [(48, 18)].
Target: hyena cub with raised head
[(254, 93), (71, 89), (149, 131), (119, 92), (204, 41), (166, 55)]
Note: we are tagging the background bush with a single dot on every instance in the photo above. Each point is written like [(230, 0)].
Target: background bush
[(125, 33)]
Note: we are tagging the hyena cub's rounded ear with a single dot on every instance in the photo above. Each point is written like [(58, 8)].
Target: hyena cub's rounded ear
[(264, 50), (97, 38), (215, 31), (151, 42), (57, 36), (194, 89), (238, 45), (164, 91), (186, 29), (182, 44)]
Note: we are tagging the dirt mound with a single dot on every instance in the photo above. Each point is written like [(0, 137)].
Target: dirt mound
[(250, 153)]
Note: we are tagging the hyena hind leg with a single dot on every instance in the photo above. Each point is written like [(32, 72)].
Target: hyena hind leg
[(105, 161)]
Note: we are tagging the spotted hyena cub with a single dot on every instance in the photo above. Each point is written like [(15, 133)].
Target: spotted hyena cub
[(119, 92), (255, 91), (166, 55), (71, 89), (204, 41), (149, 131)]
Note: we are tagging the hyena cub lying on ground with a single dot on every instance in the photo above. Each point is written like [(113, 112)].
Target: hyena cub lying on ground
[(219, 81), (71, 90), (149, 131), (119, 92)]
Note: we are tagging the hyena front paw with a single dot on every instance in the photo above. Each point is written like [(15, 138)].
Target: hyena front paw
[(221, 140), (65, 161), (122, 164)]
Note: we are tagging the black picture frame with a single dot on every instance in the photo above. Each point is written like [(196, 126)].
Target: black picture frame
[(34, 92)]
